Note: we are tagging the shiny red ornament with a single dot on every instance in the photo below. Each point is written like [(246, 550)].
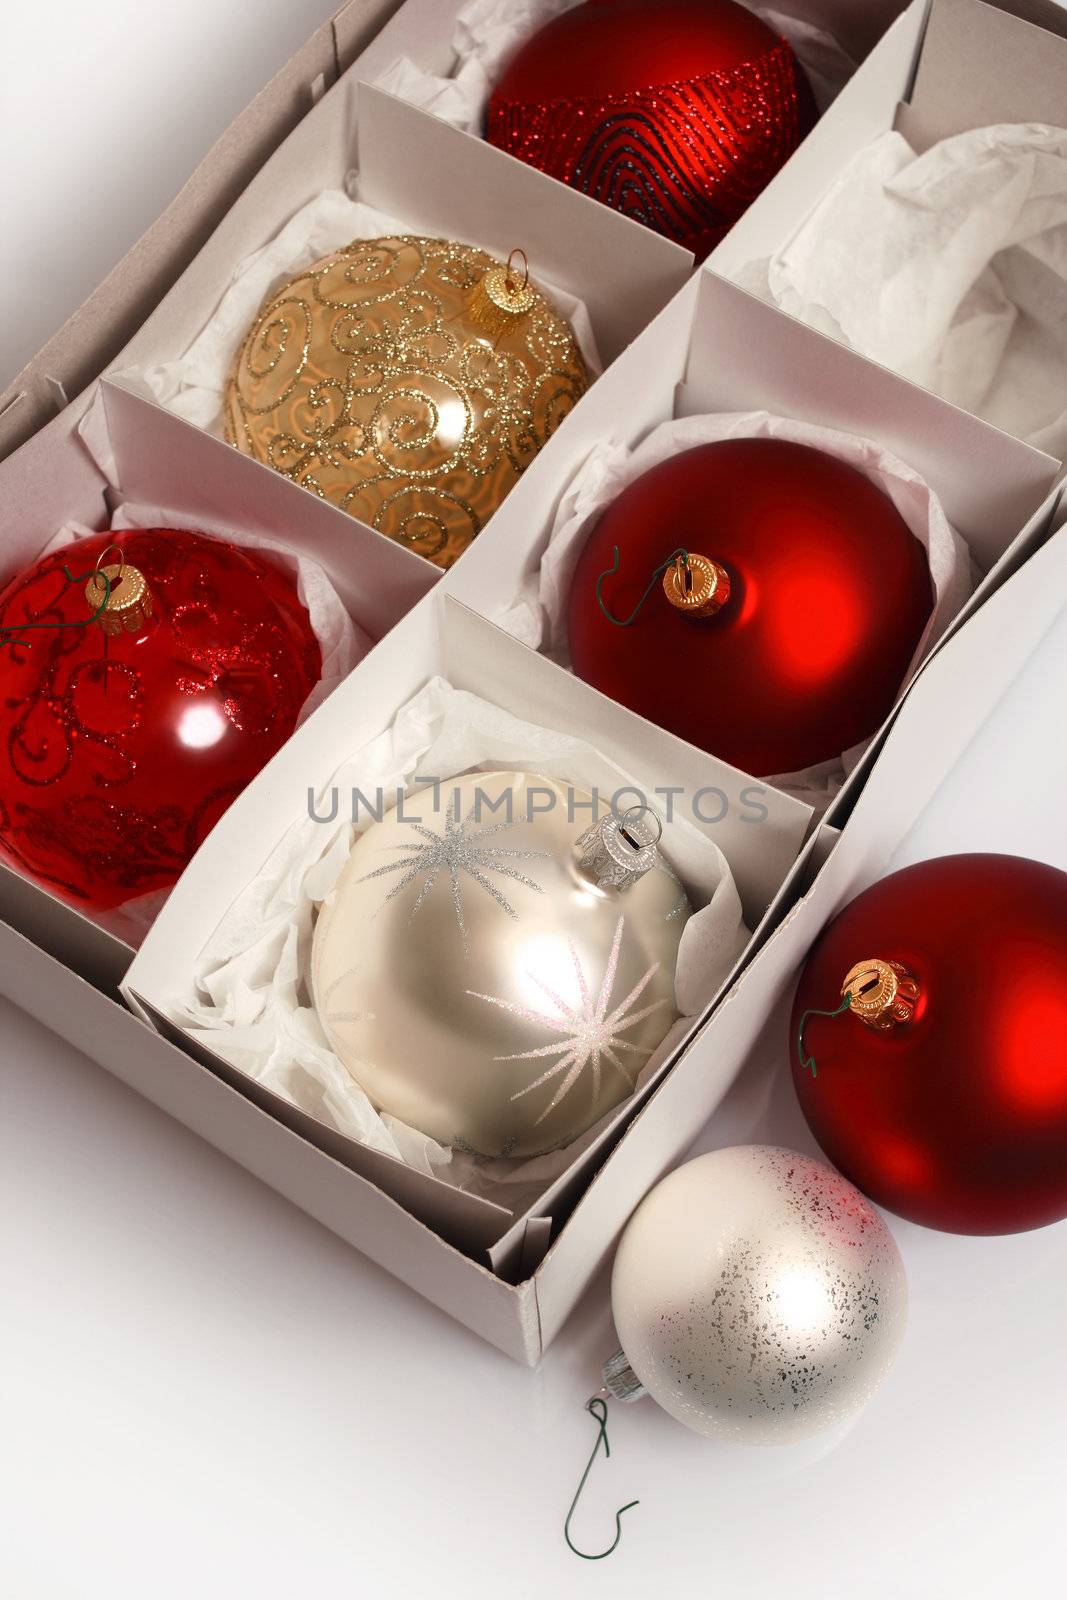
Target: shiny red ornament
[(124, 737), (828, 596), (677, 113), (955, 1115)]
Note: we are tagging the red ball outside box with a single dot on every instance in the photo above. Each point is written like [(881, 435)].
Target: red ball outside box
[(955, 1116), (675, 112), (121, 749), (829, 595)]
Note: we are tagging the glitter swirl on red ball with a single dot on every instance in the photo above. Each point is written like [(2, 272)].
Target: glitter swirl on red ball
[(118, 753), (685, 156)]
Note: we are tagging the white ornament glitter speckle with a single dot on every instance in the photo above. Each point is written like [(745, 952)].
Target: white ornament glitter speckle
[(758, 1295)]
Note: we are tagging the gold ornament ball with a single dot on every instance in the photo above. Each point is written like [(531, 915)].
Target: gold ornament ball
[(409, 381), (494, 968)]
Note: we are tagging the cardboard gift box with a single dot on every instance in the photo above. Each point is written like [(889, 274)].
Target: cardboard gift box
[(711, 346)]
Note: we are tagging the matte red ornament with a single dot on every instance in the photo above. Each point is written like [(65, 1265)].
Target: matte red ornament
[(954, 1114), (828, 593), (124, 737), (675, 112)]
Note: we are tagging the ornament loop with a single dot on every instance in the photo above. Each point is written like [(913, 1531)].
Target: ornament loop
[(518, 251), (106, 551), (597, 1409)]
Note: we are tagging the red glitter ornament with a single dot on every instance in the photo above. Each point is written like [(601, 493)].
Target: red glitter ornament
[(821, 595), (133, 713), (946, 1102), (677, 113)]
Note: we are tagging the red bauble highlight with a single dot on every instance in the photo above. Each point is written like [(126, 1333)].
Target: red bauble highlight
[(119, 753), (829, 595), (956, 1119), (677, 113)]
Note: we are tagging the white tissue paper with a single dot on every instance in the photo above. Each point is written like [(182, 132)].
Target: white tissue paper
[(538, 615), (248, 999), (193, 384), (949, 268), (343, 644), (488, 32)]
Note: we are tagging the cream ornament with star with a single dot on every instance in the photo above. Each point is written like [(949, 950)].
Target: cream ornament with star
[(494, 968)]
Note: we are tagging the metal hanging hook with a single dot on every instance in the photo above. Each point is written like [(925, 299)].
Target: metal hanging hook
[(597, 1408), (680, 556), (509, 280)]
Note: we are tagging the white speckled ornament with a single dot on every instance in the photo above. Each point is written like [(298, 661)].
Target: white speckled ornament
[(758, 1297)]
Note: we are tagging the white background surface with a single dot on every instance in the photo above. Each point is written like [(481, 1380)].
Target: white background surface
[(206, 1394)]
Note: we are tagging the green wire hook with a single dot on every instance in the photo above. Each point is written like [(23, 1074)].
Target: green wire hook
[(808, 1061), (10, 636), (619, 622), (598, 1409)]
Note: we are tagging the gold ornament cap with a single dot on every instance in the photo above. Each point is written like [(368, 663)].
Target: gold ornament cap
[(125, 596), (501, 299), (696, 585), (883, 994)]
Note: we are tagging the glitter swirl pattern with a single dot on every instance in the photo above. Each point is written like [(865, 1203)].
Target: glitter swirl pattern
[(369, 380), (121, 753), (686, 158)]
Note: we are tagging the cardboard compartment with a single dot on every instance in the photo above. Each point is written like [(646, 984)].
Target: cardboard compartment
[(110, 316), (945, 68), (437, 182), (442, 638), (161, 461), (718, 349)]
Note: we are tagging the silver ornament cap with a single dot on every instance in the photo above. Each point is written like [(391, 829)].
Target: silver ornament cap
[(617, 851), (621, 1381)]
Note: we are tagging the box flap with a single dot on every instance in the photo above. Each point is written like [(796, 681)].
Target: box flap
[(980, 65)]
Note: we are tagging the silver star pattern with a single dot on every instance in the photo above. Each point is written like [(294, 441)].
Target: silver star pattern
[(589, 1034), (457, 851)]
